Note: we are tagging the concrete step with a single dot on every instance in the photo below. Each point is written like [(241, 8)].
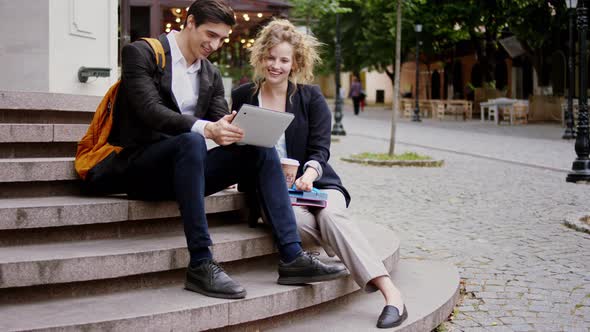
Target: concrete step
[(38, 177), (29, 133), (111, 258), (38, 149), (43, 101), (40, 188), (41, 212), (430, 289), (39, 107), (37, 169), (172, 308), (27, 116), (39, 140)]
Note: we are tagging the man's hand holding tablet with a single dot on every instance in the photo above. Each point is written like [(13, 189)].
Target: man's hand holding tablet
[(261, 126)]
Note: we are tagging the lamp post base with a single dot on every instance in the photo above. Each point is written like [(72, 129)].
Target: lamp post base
[(338, 130), (569, 134), (416, 115), (580, 171)]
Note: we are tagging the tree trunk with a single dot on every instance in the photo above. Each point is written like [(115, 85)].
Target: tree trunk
[(398, 44)]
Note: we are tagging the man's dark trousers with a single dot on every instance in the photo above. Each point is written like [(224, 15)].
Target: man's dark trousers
[(181, 168)]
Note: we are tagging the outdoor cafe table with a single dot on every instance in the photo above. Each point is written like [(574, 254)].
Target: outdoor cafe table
[(495, 105)]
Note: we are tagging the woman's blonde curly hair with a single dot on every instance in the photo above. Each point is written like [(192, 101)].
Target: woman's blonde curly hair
[(305, 54)]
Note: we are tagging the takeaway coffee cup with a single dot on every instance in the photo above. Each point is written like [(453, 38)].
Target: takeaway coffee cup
[(290, 167)]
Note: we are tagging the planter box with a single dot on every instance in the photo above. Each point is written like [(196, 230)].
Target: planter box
[(545, 108)]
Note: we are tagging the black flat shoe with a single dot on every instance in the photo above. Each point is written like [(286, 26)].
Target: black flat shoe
[(390, 317)]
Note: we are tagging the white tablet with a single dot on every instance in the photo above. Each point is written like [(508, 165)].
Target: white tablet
[(262, 127)]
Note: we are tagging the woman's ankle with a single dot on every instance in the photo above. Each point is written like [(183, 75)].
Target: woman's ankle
[(391, 294)]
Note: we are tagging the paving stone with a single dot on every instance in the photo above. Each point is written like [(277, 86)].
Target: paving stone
[(467, 308), (546, 328), (512, 320), (523, 313), (521, 327), (467, 323)]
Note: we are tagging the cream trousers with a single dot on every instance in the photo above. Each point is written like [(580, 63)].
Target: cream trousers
[(331, 228)]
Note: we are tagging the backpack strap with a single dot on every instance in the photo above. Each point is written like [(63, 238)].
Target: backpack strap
[(156, 45)]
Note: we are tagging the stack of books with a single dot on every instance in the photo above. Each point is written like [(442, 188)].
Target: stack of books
[(316, 198)]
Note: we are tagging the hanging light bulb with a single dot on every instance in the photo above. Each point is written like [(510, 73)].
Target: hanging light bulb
[(259, 14), (168, 25), (178, 20)]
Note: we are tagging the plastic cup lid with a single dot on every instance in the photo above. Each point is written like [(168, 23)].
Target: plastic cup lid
[(289, 161)]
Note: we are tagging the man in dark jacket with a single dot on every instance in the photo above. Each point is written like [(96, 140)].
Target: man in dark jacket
[(162, 119)]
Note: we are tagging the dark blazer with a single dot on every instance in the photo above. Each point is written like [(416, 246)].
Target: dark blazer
[(146, 112), (308, 136)]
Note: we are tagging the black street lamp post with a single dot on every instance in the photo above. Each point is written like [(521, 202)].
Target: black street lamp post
[(338, 129), (570, 132), (581, 166), (418, 29)]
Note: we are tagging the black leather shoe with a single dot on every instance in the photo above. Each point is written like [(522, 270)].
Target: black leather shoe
[(308, 268), (211, 280), (390, 317)]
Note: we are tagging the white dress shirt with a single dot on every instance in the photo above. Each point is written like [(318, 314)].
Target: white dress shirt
[(185, 82)]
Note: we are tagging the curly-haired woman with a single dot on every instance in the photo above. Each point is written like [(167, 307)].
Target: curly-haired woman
[(283, 59)]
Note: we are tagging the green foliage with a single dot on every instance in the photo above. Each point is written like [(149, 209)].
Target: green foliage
[(316, 8), (320, 16), (368, 30)]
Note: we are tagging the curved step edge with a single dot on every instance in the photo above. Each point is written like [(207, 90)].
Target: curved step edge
[(171, 308), (57, 211), (103, 259), (430, 289)]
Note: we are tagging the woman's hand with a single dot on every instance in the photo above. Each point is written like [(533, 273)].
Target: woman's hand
[(305, 182)]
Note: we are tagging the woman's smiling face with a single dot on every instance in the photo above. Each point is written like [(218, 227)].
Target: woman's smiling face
[(278, 63)]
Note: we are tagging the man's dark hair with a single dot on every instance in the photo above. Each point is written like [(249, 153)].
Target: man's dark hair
[(214, 11)]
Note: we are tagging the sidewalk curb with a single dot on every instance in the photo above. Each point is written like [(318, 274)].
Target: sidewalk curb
[(477, 155), (574, 221)]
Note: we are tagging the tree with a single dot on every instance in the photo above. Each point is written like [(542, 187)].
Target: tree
[(398, 45), (527, 18)]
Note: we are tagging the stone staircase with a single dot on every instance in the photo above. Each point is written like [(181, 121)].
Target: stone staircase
[(77, 263)]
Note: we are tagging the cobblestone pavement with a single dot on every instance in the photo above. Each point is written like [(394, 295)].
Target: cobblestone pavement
[(495, 210)]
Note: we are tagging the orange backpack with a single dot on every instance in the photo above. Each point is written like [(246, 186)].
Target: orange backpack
[(94, 148)]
